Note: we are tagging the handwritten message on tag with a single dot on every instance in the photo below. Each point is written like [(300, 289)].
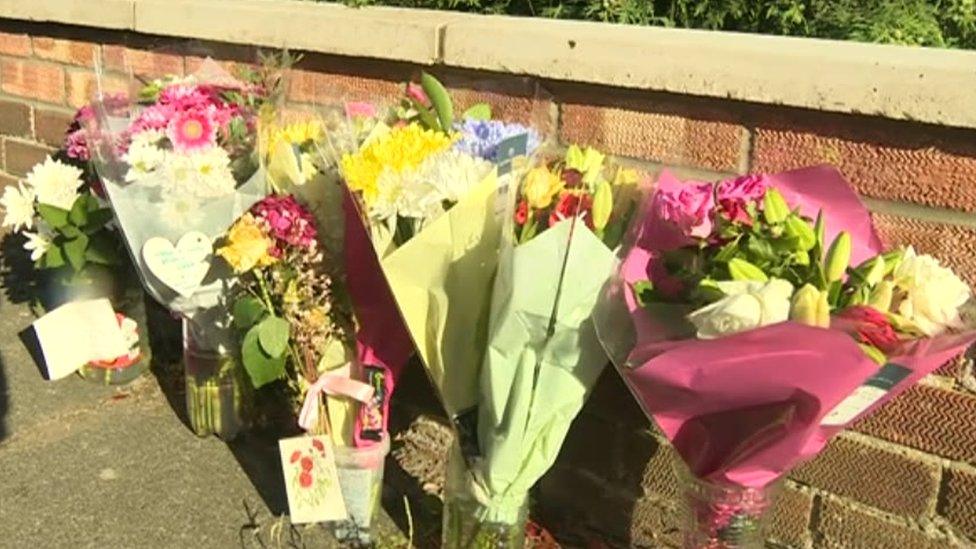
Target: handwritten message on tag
[(77, 333), (311, 480), (181, 267)]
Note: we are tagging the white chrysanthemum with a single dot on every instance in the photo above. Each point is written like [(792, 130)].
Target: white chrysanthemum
[(213, 173), (933, 294), (18, 207), (453, 174), (38, 243), (55, 183), (389, 187), (144, 156), (180, 210)]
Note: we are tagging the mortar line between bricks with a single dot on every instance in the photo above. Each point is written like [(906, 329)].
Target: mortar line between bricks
[(906, 451), (931, 214)]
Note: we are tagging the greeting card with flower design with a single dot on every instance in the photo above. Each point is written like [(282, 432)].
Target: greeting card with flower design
[(311, 480)]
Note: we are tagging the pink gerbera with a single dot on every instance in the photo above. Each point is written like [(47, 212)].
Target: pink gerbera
[(191, 130)]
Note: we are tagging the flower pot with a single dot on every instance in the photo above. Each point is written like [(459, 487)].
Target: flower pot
[(472, 520), (718, 516), (218, 393), (360, 471)]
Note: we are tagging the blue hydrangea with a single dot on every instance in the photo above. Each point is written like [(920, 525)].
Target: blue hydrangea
[(481, 138)]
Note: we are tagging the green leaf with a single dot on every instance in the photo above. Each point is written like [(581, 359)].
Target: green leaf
[(479, 111), (98, 219), (74, 250), (273, 334), (427, 119), (643, 291), (740, 269), (439, 99), (102, 250), (78, 215), (54, 216), (261, 368), (248, 310), (53, 258)]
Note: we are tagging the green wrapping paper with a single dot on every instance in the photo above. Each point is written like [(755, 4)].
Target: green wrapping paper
[(542, 359)]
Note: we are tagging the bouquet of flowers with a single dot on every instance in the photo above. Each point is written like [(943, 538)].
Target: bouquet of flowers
[(542, 355), (179, 165), (66, 225), (423, 222), (755, 318)]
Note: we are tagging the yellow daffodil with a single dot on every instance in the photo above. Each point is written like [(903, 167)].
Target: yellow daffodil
[(400, 149), (540, 187), (247, 246)]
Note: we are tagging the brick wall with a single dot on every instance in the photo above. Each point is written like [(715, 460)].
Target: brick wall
[(905, 477)]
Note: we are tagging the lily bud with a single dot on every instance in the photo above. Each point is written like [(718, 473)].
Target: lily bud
[(838, 257), (775, 209), (740, 269), (875, 270), (810, 307), (802, 231), (882, 295), (602, 205)]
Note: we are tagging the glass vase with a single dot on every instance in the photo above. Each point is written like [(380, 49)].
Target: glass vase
[(360, 471), (474, 521), (218, 395), (720, 516)]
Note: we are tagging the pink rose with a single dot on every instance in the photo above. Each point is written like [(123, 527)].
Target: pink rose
[(867, 325), (734, 194), (689, 209)]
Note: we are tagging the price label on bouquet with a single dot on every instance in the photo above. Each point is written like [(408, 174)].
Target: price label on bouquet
[(311, 480), (876, 387)]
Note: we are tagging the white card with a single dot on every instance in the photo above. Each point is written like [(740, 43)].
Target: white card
[(181, 267), (311, 480), (77, 333)]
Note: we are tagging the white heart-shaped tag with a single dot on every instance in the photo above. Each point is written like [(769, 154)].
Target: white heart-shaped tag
[(181, 267)]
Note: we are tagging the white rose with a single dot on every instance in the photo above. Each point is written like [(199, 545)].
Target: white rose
[(747, 305), (931, 295)]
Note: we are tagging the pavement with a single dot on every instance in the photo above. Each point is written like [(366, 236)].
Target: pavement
[(84, 465)]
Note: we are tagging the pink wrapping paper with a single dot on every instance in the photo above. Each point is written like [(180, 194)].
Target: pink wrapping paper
[(382, 339), (747, 408)]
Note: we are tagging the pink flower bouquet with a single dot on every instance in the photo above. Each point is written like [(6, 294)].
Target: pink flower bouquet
[(757, 317)]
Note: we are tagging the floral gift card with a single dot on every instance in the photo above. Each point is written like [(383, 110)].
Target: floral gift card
[(311, 480)]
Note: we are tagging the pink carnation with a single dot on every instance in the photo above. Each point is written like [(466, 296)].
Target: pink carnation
[(288, 222), (689, 209), (734, 194), (155, 117), (76, 145)]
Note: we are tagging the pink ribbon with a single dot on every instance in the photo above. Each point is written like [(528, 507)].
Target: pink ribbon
[(335, 383)]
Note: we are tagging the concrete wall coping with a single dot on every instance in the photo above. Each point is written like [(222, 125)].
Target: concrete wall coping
[(919, 84)]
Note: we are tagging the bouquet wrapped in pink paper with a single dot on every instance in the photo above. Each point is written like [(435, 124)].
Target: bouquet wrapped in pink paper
[(757, 317)]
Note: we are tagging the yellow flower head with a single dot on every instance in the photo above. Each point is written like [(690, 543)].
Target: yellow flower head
[(247, 246), (400, 149), (540, 187), (588, 162), (302, 132)]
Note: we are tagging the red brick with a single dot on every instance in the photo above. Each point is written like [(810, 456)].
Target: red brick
[(20, 158), (513, 105), (152, 64), (843, 527), (910, 163), (664, 137), (306, 86), (15, 44), (32, 79), (955, 246), (6, 179), (789, 520), (82, 86), (878, 477), (51, 125), (928, 418), (959, 501), (14, 118), (61, 50)]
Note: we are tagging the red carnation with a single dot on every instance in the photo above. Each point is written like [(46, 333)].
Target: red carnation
[(570, 205), (868, 325)]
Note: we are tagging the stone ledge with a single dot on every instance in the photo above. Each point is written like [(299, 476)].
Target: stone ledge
[(917, 84)]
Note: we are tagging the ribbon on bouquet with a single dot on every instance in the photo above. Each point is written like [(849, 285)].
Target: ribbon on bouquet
[(336, 382)]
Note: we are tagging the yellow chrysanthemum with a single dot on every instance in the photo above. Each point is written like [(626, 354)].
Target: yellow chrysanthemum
[(540, 187), (399, 150), (302, 132), (247, 246)]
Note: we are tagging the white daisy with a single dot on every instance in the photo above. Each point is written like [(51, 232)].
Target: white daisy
[(38, 243), (55, 183), (213, 173), (144, 156), (18, 207)]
